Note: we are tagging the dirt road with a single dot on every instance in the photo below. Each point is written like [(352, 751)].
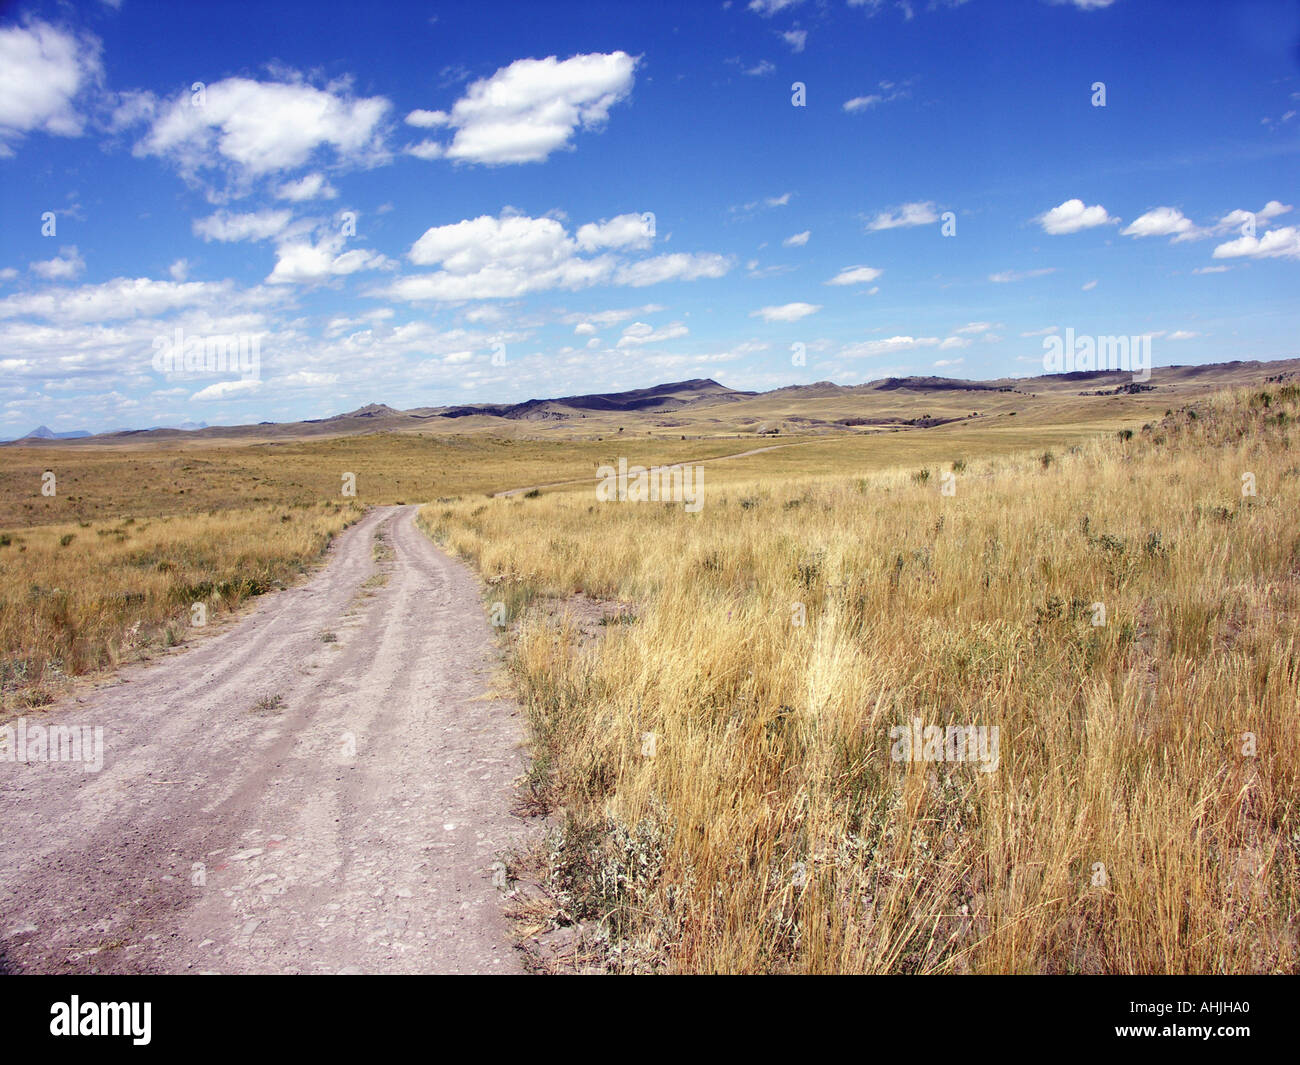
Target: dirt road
[(322, 787)]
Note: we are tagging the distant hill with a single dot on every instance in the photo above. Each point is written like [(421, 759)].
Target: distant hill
[(702, 406), (42, 432)]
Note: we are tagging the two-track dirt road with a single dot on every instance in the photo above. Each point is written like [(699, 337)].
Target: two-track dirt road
[(274, 800)]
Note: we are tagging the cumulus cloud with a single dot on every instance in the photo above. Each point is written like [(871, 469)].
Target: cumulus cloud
[(509, 256), (855, 275), (796, 39), (301, 260), (531, 108), (639, 333), (248, 129), (125, 298), (910, 214), (798, 240), (623, 231), (1072, 216), (786, 312), (1163, 222), (43, 70), (428, 119), (230, 228), (1283, 243), (310, 187), (679, 266), (66, 266)]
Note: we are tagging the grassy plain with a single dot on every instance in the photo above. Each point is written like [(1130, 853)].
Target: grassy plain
[(717, 756)]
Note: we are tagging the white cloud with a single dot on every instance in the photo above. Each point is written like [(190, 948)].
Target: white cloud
[(1072, 216), (855, 275), (910, 214), (1020, 275), (1182, 334), (1084, 5), (67, 266), (428, 119), (640, 333), (179, 270), (1163, 222), (509, 256), (798, 240), (255, 225), (678, 266), (427, 150), (786, 312), (872, 348), (768, 8), (526, 111), (863, 103), (300, 261), (949, 343), (226, 389), (1212, 269), (941, 363), (590, 322), (761, 69), (127, 298), (974, 328), (1281, 243), (796, 39), (310, 187), (42, 71), (622, 231), (1088, 286), (1042, 332), (1236, 220), (253, 128)]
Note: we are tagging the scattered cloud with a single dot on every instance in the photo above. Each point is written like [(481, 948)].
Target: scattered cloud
[(246, 129), (530, 109), (1283, 243), (1020, 275), (786, 312), (869, 349), (309, 187), (909, 214), (1163, 222), (1072, 216), (798, 240), (855, 275), (254, 225), (43, 71), (639, 333), (68, 265)]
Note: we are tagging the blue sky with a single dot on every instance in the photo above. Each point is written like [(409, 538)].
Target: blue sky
[(423, 204)]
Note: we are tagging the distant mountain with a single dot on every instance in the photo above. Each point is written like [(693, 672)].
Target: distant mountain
[(822, 405), (42, 432)]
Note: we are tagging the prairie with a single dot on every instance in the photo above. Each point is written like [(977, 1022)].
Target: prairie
[(715, 750)]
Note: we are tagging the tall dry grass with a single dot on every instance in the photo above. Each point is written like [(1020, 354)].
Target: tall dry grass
[(1124, 829), (83, 597)]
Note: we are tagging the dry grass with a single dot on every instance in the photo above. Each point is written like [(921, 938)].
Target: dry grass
[(1124, 830), (79, 598)]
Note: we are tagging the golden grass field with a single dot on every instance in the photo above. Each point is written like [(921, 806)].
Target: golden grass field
[(763, 825), (718, 775)]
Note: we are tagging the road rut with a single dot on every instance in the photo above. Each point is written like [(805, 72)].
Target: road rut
[(276, 801)]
